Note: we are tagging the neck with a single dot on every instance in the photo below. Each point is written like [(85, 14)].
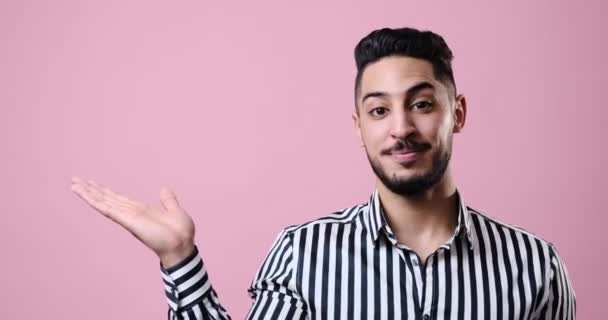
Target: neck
[(424, 220)]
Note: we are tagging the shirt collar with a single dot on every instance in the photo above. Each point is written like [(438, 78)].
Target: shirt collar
[(376, 221)]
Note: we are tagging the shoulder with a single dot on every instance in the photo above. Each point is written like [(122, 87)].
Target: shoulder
[(512, 241), (339, 218), (481, 222), (523, 252)]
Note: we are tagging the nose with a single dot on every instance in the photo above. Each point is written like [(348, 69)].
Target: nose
[(402, 125)]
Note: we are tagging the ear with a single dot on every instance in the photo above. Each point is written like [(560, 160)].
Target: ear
[(460, 113), (357, 123)]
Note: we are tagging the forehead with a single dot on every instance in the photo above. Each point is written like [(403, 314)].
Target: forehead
[(395, 74)]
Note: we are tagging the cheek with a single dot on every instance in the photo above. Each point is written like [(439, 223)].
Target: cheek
[(374, 137), (434, 130), (446, 130)]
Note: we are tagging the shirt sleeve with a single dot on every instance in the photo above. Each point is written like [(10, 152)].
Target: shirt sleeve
[(191, 296), (273, 288), (561, 302), (189, 292)]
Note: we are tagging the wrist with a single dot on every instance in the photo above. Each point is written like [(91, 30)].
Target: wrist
[(173, 257)]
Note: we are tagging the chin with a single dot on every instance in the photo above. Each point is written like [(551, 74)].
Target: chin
[(416, 165), (407, 173)]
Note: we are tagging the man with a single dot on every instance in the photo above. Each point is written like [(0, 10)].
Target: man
[(413, 251)]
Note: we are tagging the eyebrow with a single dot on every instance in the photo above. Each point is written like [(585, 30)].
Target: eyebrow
[(409, 92)]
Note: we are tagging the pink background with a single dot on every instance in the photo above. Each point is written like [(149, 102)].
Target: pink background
[(244, 109)]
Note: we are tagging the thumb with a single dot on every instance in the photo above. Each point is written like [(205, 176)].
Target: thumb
[(168, 199)]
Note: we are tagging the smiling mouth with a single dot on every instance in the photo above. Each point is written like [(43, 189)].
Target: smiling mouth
[(407, 152), (406, 156)]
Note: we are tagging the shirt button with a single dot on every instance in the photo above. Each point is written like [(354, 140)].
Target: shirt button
[(426, 317), (415, 262)]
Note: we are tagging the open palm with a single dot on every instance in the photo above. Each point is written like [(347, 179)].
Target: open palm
[(168, 231)]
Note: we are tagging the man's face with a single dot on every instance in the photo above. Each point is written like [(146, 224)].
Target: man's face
[(406, 118)]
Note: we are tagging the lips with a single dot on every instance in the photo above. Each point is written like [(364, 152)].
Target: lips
[(407, 151), (406, 156)]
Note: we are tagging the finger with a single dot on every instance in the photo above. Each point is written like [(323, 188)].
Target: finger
[(91, 199), (97, 199), (117, 212), (131, 207), (93, 192), (169, 199), (97, 194), (78, 181), (114, 196)]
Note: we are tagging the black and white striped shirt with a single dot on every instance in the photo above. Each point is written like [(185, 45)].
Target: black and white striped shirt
[(349, 265)]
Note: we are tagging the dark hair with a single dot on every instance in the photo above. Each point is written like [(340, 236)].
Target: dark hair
[(405, 42)]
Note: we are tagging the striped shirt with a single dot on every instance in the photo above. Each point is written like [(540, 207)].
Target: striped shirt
[(349, 265)]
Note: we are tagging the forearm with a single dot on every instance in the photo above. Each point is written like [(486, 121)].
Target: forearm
[(189, 292), (191, 296)]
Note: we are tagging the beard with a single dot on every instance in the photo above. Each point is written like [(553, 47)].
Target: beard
[(417, 184)]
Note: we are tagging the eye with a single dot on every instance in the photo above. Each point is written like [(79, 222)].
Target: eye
[(379, 111), (422, 105)]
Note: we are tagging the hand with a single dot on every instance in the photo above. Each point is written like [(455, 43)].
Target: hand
[(169, 231)]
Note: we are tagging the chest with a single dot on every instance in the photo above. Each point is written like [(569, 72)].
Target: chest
[(360, 280)]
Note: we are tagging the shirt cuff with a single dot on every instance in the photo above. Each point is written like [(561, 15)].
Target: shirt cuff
[(186, 283)]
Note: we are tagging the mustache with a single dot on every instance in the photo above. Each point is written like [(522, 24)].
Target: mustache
[(407, 146)]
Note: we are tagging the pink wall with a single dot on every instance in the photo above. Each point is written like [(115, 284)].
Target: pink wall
[(245, 111)]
